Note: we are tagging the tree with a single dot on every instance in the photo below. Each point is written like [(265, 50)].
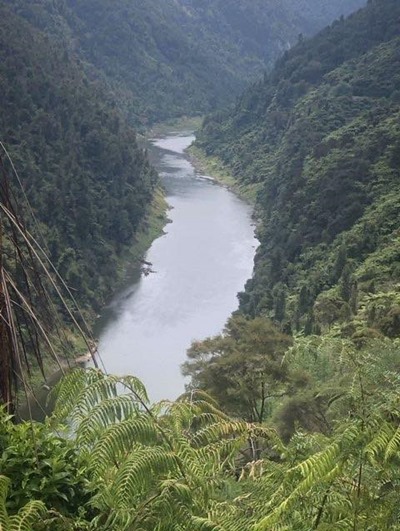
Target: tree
[(346, 283), (161, 466), (242, 369), (182, 466), (279, 294)]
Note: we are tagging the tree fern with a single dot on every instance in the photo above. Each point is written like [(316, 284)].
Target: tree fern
[(170, 459), (184, 465)]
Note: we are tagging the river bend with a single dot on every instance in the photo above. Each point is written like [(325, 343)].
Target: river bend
[(200, 264)]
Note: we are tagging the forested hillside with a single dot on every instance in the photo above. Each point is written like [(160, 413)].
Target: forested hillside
[(73, 74), (166, 58), (320, 137), (88, 182), (278, 431)]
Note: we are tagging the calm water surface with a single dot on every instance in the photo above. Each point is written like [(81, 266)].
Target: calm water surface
[(199, 265)]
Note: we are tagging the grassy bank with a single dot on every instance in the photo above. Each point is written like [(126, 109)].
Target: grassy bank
[(151, 228), (209, 166), (213, 167)]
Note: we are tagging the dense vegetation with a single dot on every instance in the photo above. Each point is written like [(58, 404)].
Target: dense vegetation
[(314, 351), (86, 179), (186, 466), (73, 74), (320, 138), (166, 58), (277, 431)]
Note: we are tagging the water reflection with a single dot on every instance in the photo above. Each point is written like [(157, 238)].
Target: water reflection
[(200, 264)]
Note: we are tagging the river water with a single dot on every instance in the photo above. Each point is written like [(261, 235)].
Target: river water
[(200, 264)]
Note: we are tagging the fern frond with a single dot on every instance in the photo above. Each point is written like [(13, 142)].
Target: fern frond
[(203, 524), (140, 471), (318, 465), (107, 413), (4, 486), (380, 441), (117, 441), (70, 389), (393, 446), (31, 514), (83, 390), (220, 430), (240, 429), (98, 390), (197, 395), (135, 387), (318, 468)]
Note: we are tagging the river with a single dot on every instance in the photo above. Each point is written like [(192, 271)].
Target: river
[(199, 265)]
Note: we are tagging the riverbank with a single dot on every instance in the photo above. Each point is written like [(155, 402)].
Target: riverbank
[(200, 265), (130, 266), (151, 228), (73, 351), (212, 166), (182, 124)]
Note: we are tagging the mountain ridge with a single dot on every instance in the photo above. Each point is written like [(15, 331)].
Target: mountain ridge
[(170, 58)]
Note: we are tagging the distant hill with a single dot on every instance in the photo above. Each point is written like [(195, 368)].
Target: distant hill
[(320, 137), (166, 58)]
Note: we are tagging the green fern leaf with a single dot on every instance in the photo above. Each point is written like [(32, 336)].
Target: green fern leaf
[(117, 441), (28, 516), (393, 446), (140, 470)]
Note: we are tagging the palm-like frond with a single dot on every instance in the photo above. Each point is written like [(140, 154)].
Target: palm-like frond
[(27, 517), (31, 296), (184, 465), (4, 485), (172, 458)]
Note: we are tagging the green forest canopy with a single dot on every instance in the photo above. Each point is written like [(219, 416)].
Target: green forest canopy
[(319, 138), (86, 179), (186, 466), (309, 433), (167, 58)]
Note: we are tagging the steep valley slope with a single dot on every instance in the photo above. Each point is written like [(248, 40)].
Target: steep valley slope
[(76, 75), (167, 58), (320, 137)]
